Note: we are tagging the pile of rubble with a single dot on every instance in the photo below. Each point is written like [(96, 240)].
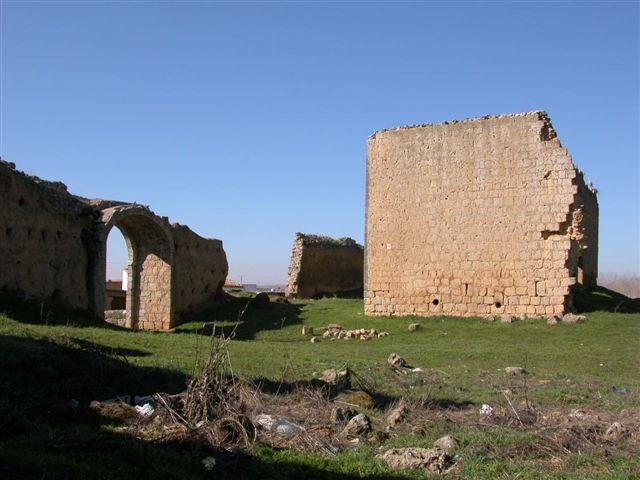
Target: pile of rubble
[(334, 331)]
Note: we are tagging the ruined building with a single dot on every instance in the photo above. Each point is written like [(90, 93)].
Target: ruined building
[(53, 249), (323, 265), (474, 217)]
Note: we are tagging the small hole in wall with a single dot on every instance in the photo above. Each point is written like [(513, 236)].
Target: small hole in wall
[(498, 305), (21, 201), (435, 301), (8, 231), (43, 234)]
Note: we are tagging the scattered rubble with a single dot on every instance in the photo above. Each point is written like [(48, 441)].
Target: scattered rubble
[(615, 431), (359, 333), (342, 414), (396, 361), (413, 327), (307, 330), (314, 340), (507, 319), (358, 398), (573, 318)]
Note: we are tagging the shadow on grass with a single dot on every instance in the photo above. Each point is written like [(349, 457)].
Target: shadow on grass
[(43, 437), (244, 316), (41, 313), (603, 299)]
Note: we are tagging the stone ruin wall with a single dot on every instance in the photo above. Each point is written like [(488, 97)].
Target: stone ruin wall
[(323, 265), (54, 250), (475, 217), (42, 227), (200, 272)]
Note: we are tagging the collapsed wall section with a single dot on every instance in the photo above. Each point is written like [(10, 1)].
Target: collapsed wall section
[(474, 217), (200, 270), (323, 265), (43, 227)]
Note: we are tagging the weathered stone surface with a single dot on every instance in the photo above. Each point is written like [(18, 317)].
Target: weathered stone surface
[(446, 443), (396, 360), (340, 415), (573, 318), (53, 249), (359, 398), (475, 217), (358, 425), (431, 460), (615, 431), (514, 370), (323, 265), (397, 415)]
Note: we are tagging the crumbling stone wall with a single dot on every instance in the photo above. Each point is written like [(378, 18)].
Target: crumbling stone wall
[(42, 227), (55, 251), (201, 270), (474, 217), (322, 265)]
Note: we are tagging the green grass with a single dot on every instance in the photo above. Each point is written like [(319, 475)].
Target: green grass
[(47, 359)]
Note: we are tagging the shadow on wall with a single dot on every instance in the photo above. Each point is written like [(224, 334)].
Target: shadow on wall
[(603, 299), (256, 318)]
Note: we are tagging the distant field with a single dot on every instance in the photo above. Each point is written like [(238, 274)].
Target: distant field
[(590, 367), (626, 284)]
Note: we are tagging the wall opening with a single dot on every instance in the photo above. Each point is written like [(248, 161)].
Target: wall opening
[(116, 279), (580, 280)]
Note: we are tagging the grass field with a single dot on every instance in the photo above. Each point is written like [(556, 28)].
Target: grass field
[(46, 359)]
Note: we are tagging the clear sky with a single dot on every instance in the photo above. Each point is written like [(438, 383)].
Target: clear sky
[(248, 121)]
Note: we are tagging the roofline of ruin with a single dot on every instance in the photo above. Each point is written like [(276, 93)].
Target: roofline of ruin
[(541, 114)]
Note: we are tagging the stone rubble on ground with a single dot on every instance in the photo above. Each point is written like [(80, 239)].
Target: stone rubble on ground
[(446, 443), (358, 333), (397, 415), (431, 460), (514, 370), (358, 425)]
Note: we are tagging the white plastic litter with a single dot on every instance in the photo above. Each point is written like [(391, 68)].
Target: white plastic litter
[(281, 426), (145, 410), (486, 409)]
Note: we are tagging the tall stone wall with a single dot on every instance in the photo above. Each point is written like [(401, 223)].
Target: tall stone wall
[(323, 265), (474, 217), (200, 270), (53, 249), (41, 228)]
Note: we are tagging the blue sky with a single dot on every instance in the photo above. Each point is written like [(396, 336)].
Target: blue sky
[(248, 121)]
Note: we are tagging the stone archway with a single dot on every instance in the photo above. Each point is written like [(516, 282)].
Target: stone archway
[(150, 246)]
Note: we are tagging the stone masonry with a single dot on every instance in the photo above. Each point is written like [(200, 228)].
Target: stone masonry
[(323, 265), (54, 244), (475, 217)]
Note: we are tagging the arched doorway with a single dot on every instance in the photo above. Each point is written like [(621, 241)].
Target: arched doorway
[(149, 270)]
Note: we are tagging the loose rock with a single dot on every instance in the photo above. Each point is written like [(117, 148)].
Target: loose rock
[(396, 360), (314, 340), (446, 443), (307, 330), (615, 431), (514, 370), (506, 319), (413, 327), (572, 318), (397, 415), (359, 398), (358, 425), (341, 415), (553, 320), (431, 460)]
